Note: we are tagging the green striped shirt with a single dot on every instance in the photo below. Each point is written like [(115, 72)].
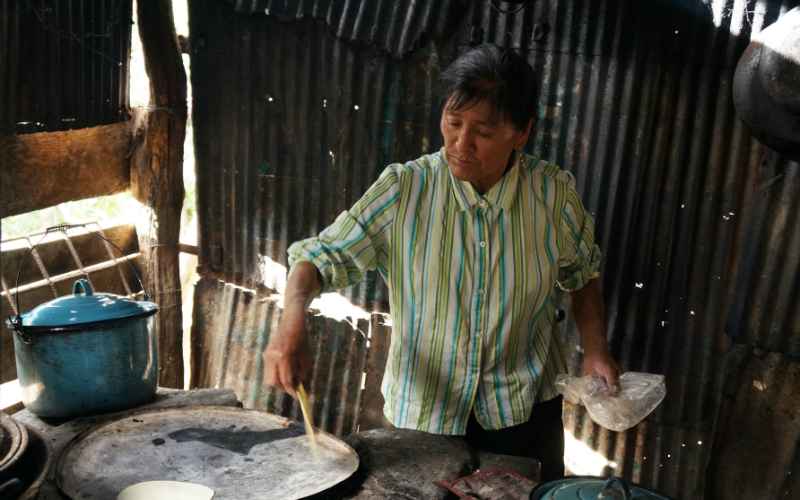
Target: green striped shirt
[(471, 283)]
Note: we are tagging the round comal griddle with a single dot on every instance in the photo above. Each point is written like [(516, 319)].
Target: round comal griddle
[(238, 453)]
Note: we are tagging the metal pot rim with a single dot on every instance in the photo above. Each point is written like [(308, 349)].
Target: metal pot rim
[(45, 329), (543, 486)]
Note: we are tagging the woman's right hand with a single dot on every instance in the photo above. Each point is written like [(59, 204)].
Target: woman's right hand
[(286, 358)]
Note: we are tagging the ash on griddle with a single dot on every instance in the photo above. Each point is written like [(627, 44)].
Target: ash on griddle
[(238, 442)]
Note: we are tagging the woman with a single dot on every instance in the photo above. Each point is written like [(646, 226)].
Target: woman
[(471, 241)]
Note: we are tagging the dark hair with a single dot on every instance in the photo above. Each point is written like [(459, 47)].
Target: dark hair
[(500, 76)]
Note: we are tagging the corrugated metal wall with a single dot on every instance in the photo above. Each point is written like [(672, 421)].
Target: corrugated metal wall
[(760, 410), (305, 124), (347, 356), (764, 311), (63, 64), (635, 101), (395, 26)]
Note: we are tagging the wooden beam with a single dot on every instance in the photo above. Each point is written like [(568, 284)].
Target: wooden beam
[(42, 170), (190, 249), (157, 179)]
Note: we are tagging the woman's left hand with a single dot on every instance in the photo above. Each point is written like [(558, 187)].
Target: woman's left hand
[(602, 363), (588, 312)]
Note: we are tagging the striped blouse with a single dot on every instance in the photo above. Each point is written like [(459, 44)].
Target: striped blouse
[(471, 283)]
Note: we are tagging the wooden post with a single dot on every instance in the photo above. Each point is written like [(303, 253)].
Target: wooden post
[(157, 179)]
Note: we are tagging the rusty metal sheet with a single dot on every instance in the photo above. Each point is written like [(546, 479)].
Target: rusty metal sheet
[(370, 413), (231, 328), (298, 153), (63, 64), (395, 27), (759, 428), (764, 312), (237, 453), (634, 99)]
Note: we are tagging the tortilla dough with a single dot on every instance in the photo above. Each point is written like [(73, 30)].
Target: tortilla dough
[(166, 490)]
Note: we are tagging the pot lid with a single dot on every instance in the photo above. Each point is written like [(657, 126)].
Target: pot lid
[(84, 306), (593, 488)]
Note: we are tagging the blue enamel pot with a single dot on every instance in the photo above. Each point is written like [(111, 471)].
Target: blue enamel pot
[(86, 353), (593, 488)]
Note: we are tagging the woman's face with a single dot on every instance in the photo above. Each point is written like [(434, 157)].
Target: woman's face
[(478, 148)]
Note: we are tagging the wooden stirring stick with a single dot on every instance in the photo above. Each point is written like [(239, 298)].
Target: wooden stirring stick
[(312, 437)]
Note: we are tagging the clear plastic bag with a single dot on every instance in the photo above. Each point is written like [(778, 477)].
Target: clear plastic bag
[(639, 395)]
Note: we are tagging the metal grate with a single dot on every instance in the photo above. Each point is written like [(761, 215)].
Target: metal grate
[(85, 271)]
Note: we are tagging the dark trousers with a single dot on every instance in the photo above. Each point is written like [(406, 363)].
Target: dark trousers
[(541, 438)]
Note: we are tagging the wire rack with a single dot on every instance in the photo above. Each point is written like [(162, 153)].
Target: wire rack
[(66, 231)]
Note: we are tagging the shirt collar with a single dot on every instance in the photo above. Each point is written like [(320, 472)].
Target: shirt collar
[(501, 194)]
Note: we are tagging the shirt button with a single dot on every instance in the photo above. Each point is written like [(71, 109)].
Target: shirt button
[(477, 336), (481, 291), (482, 203), (483, 244)]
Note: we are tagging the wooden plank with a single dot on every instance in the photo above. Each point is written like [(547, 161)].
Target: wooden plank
[(157, 179), (13, 409), (68, 166), (190, 249)]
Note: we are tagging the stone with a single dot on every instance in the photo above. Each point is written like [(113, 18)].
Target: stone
[(403, 464), (525, 467)]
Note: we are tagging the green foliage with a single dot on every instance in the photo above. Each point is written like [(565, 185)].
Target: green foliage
[(105, 207)]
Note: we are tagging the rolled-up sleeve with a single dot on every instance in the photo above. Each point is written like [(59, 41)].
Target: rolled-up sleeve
[(357, 241), (580, 259)]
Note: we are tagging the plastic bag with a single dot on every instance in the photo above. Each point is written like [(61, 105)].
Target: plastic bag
[(639, 395)]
